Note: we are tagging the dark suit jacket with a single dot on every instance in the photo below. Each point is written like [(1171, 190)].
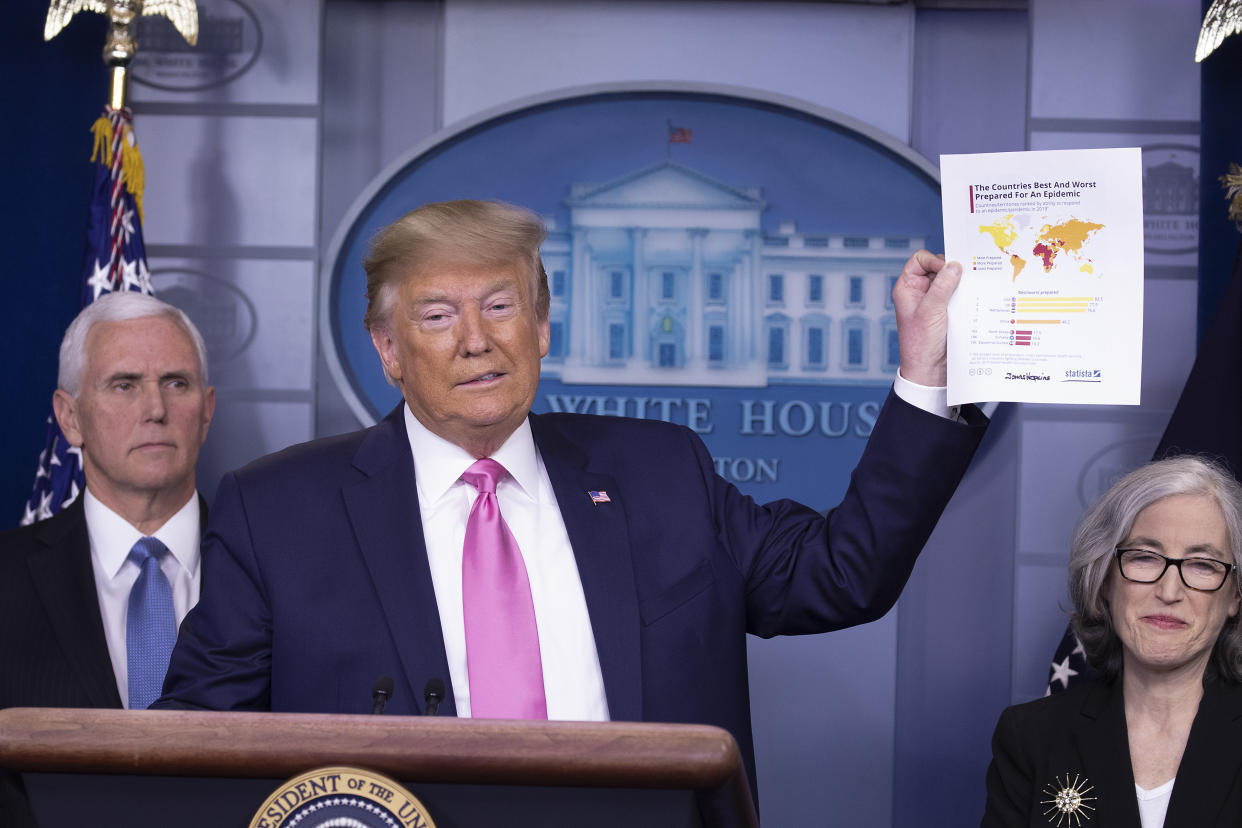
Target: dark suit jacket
[(1082, 733), (49, 618), (317, 579), (52, 647)]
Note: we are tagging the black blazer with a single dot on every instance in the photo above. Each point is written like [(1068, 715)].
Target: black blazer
[(52, 641), (1081, 734)]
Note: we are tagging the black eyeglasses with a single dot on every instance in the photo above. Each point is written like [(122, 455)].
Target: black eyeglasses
[(1143, 566)]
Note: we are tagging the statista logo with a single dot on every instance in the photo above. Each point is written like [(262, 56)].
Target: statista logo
[(1082, 375)]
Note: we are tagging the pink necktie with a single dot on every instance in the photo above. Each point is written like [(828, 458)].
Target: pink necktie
[(502, 640)]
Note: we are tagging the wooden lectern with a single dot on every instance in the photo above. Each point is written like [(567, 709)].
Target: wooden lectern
[(91, 767)]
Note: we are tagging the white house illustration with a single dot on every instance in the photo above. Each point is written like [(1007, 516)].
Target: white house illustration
[(665, 277)]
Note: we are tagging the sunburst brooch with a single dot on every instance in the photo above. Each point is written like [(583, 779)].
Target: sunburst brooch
[(1068, 804)]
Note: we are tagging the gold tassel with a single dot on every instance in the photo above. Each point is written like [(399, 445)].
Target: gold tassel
[(1232, 182), (102, 129), (132, 171)]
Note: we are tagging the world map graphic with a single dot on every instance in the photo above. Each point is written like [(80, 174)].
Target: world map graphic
[(1016, 236)]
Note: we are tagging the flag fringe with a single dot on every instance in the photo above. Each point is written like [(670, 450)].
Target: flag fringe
[(133, 171), (102, 130)]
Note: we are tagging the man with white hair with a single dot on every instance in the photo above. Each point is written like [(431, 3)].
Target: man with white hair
[(133, 397), (90, 599)]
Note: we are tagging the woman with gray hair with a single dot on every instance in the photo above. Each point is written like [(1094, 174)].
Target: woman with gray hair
[(1156, 738)]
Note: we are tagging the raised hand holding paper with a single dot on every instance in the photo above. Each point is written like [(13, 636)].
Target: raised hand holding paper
[(1050, 307)]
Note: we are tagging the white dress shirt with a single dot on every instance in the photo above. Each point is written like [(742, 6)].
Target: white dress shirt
[(572, 679), (934, 399), (111, 539)]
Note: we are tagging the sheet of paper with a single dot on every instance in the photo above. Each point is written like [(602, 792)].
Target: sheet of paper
[(1050, 308)]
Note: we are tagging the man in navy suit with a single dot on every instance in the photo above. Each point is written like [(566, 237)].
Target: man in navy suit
[(341, 560), (132, 395)]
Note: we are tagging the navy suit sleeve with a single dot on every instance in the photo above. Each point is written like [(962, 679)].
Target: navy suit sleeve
[(807, 573), (223, 656)]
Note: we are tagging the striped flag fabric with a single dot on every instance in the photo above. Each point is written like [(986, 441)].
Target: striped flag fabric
[(115, 259), (679, 135)]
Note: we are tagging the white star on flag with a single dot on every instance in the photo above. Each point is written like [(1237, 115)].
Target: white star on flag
[(45, 506), (74, 491), (129, 276), (98, 281), (127, 224), (1061, 672), (144, 277)]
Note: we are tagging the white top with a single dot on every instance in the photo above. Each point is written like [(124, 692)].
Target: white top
[(111, 539), (1154, 804), (572, 679)]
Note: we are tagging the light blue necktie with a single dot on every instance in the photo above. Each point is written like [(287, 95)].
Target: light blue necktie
[(151, 629)]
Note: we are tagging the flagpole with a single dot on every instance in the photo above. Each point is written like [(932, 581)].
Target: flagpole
[(120, 48)]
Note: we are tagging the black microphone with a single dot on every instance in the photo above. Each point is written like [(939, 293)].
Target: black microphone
[(380, 694), (433, 694)]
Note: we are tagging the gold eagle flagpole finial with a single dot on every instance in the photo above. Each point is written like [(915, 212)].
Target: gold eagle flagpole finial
[(1223, 18), (121, 45)]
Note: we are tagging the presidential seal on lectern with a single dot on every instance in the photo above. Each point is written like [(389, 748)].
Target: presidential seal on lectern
[(341, 796)]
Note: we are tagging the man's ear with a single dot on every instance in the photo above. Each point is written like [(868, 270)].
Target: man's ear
[(545, 336), (209, 408), (387, 350), (65, 408)]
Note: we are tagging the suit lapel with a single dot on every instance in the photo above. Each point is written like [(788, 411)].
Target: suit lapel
[(383, 509), (1104, 746), (1212, 763), (599, 537), (65, 584)]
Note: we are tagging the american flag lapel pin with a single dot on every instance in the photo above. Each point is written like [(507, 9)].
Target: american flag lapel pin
[(599, 497)]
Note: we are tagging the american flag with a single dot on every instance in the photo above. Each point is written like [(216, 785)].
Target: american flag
[(599, 497), (679, 135), (115, 260)]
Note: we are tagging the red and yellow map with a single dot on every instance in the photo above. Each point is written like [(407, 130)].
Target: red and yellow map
[(1071, 236)]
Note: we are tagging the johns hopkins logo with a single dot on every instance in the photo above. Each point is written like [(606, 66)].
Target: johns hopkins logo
[(714, 259), (341, 797)]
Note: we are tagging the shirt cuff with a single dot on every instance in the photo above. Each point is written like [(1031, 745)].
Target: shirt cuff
[(934, 399)]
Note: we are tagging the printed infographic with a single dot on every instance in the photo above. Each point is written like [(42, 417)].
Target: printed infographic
[(1050, 308)]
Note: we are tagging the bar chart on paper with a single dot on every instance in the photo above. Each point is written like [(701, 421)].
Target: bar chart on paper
[(1038, 322)]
